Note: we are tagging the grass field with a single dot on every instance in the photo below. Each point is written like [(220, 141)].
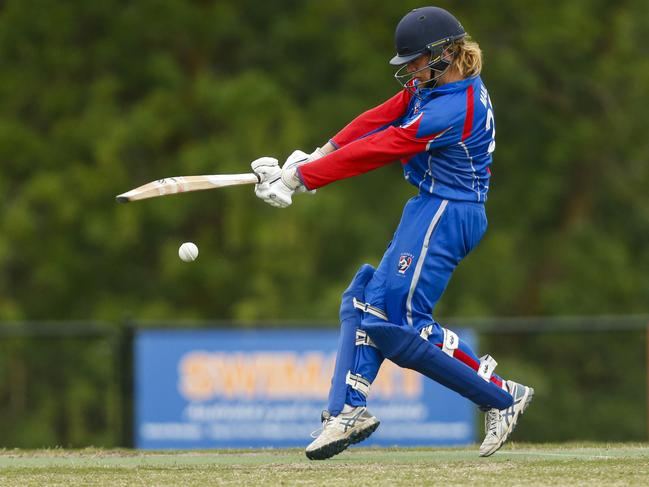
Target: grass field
[(516, 464)]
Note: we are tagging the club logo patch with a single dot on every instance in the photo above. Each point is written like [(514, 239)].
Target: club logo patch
[(404, 263)]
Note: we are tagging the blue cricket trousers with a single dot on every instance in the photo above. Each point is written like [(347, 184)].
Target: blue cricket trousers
[(433, 236)]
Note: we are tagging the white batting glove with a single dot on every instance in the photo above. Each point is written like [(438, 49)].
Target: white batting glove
[(276, 193), (277, 186), (267, 168), (271, 188), (316, 154), (289, 171), (281, 189)]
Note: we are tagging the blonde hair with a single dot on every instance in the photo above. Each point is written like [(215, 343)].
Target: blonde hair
[(468, 57)]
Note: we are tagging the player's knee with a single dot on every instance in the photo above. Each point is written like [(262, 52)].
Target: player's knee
[(357, 285), (370, 319), (355, 292)]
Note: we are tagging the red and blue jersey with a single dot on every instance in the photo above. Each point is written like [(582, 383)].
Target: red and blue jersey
[(444, 138)]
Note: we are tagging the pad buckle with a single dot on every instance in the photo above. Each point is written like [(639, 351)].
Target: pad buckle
[(426, 331), (362, 338), (358, 383), (451, 342), (487, 367), (368, 308)]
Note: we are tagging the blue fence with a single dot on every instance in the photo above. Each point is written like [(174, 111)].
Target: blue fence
[(239, 389)]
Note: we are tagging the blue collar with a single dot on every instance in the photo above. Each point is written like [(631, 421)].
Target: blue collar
[(453, 87)]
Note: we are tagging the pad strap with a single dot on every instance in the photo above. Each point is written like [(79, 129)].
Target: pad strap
[(363, 339), (451, 342), (426, 331), (368, 308), (358, 383), (403, 346), (487, 367)]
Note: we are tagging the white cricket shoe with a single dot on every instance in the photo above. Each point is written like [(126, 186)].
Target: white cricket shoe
[(338, 432), (499, 424)]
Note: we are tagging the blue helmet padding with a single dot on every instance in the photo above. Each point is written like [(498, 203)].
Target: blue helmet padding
[(404, 346)]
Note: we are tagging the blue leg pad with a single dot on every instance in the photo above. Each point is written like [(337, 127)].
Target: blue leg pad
[(350, 320), (344, 363), (404, 346), (356, 289)]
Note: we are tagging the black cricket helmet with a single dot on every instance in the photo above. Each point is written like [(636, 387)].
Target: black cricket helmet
[(425, 30)]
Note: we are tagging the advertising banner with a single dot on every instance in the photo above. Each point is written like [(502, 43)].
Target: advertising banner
[(240, 389)]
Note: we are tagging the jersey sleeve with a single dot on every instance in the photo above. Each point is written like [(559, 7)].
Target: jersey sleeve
[(376, 150), (374, 119)]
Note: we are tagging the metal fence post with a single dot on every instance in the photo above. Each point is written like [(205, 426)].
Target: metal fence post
[(124, 368)]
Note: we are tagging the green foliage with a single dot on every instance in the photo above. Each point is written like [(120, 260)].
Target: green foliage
[(59, 392), (101, 97), (588, 385)]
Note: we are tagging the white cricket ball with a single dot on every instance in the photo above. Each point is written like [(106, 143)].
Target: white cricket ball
[(188, 252)]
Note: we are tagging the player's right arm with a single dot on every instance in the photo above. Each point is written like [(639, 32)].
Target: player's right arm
[(277, 186), (429, 129), (377, 118)]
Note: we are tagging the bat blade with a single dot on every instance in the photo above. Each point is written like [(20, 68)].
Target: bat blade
[(185, 184)]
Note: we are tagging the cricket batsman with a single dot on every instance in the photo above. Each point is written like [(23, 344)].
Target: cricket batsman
[(441, 128)]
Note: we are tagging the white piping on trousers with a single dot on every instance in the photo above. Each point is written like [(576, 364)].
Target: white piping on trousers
[(422, 257)]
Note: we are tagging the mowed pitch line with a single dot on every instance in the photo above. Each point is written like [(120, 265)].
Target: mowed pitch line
[(517, 464)]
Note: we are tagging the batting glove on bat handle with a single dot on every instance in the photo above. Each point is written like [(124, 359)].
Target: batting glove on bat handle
[(266, 169), (315, 155), (271, 189), (289, 170)]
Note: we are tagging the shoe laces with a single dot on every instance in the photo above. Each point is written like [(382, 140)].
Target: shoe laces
[(492, 419), (318, 432)]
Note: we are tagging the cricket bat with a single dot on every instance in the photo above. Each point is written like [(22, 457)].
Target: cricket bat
[(185, 184)]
